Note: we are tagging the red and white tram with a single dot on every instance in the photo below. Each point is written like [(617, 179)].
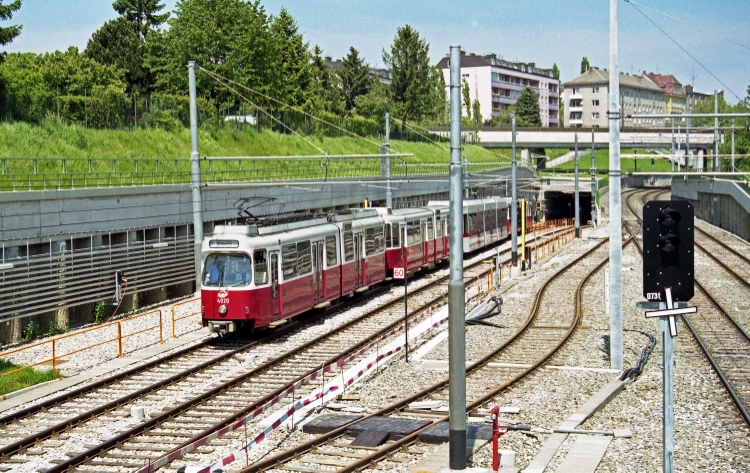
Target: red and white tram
[(258, 275)]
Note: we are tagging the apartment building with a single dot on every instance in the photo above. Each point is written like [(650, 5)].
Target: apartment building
[(675, 96), (586, 100), (497, 84)]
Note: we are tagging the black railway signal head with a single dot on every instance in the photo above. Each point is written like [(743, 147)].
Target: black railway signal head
[(668, 250)]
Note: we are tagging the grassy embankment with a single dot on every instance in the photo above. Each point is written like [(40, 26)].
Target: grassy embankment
[(165, 156), (626, 164), (23, 378)]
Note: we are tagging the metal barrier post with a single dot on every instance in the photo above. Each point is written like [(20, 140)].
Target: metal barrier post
[(174, 334), (161, 328), (54, 364), (119, 339)]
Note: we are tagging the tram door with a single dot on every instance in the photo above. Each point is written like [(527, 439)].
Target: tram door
[(275, 299), (317, 265), (358, 259), (425, 244)]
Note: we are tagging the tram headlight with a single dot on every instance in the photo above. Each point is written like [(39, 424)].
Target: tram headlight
[(222, 309)]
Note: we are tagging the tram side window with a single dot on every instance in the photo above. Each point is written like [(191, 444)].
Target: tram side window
[(388, 232), (304, 259), (396, 235), (331, 253), (379, 241), (261, 267), (348, 247), (289, 260), (429, 231), (410, 238), (370, 247)]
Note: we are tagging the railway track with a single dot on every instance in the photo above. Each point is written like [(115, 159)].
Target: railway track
[(212, 403), (551, 322), (723, 339)]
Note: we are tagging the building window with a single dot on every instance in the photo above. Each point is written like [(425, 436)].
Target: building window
[(595, 90), (595, 115), (595, 103)]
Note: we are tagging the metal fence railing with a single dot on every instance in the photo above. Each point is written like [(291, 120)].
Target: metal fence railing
[(37, 174)]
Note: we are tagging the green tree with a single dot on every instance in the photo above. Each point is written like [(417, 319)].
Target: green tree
[(324, 94), (230, 38), (555, 71), (409, 63), (376, 103), (117, 44), (71, 73), (466, 95), (439, 107), (504, 118), (144, 14), (293, 55), (476, 112), (527, 107), (355, 78), (585, 65), (8, 33)]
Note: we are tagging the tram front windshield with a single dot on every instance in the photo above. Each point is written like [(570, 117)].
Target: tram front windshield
[(227, 270)]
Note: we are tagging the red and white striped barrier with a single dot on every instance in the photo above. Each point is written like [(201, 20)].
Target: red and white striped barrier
[(174, 455)]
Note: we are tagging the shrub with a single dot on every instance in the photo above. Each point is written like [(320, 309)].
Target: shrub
[(31, 331), (99, 315)]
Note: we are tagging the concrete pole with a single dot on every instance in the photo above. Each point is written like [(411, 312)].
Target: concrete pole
[(733, 169), (615, 203), (577, 201), (195, 174), (715, 163), (594, 190), (513, 201), (388, 192), (688, 160), (673, 156), (456, 303)]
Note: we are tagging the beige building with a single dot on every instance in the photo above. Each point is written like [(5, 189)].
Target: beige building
[(586, 100)]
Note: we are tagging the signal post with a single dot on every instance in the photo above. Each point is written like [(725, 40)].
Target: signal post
[(668, 284)]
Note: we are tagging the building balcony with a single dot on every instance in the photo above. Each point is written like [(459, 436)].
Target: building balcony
[(576, 109), (503, 99), (577, 96)]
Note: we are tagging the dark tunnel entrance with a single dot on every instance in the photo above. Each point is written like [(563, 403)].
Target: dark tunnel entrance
[(562, 205)]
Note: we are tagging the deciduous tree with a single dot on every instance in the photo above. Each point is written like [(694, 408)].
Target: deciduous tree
[(555, 71), (228, 37)]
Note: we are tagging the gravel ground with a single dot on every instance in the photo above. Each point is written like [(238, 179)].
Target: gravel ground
[(147, 323)]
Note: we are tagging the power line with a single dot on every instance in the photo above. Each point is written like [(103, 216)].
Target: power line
[(216, 77), (683, 49), (689, 24), (288, 106)]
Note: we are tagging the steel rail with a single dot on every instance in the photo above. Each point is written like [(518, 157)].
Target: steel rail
[(706, 352), (324, 438), (115, 441)]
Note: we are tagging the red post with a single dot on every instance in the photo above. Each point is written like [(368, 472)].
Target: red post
[(496, 432)]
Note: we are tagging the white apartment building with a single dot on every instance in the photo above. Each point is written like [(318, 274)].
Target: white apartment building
[(586, 100), (497, 84)]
